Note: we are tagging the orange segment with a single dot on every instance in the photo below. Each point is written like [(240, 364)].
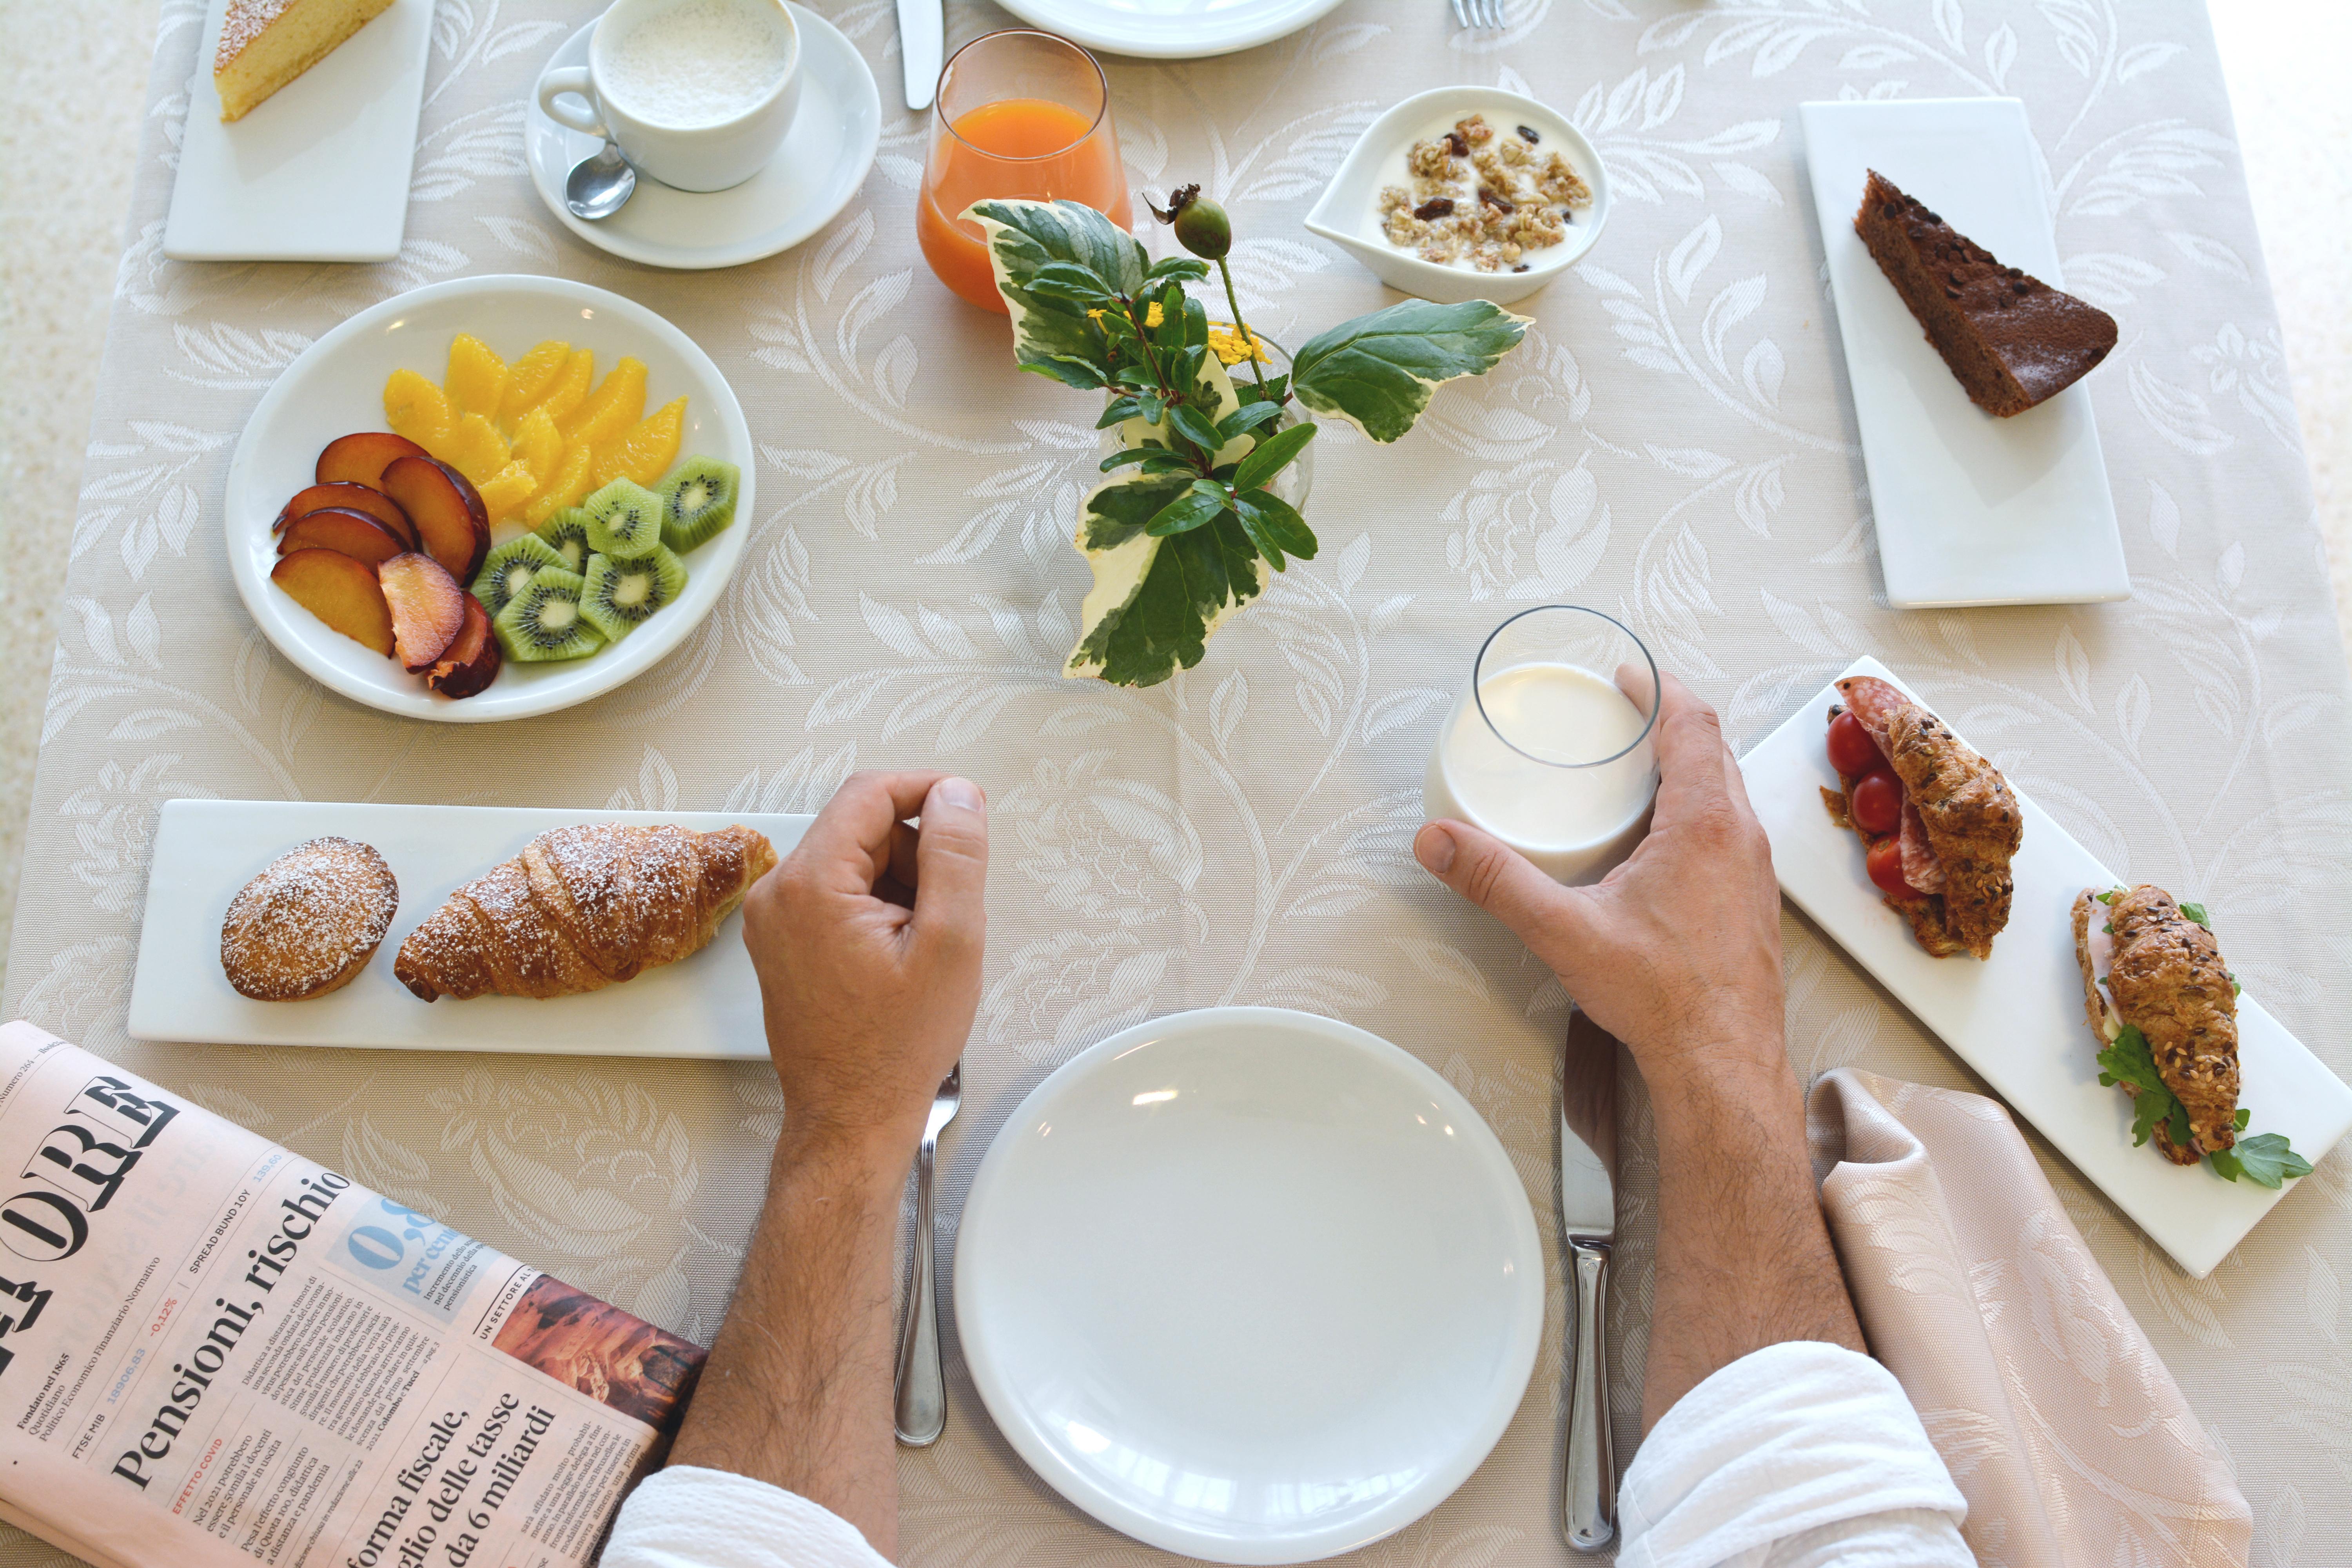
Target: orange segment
[(416, 408), (569, 389), (645, 453), (507, 490), (616, 405), (572, 481), (539, 444), (476, 449), (477, 381), (528, 380)]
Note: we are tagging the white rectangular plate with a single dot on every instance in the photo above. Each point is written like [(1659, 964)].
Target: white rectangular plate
[(2017, 1018), (1970, 509), (318, 172), (705, 1005)]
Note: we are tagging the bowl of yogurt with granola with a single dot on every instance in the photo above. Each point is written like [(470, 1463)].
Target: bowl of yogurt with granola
[(1466, 192)]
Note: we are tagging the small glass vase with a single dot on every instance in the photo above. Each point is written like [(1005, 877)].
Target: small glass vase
[(1297, 478)]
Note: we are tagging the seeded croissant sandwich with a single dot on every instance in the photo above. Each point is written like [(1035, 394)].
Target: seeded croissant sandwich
[(1940, 822), (2164, 1008)]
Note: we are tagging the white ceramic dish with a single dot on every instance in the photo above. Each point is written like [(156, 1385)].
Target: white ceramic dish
[(1970, 509), (318, 171), (2017, 1018), (706, 1005), (336, 387), (1171, 29), (1348, 214), (822, 162), (1249, 1285)]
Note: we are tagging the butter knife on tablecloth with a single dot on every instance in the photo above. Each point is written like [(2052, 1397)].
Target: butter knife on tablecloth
[(922, 43), (1588, 1222)]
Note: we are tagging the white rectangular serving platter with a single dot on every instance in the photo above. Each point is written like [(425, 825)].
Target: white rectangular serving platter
[(1970, 509), (2017, 1018), (318, 172), (705, 1005)]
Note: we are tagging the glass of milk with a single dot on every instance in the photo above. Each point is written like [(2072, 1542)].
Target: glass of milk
[(1549, 748)]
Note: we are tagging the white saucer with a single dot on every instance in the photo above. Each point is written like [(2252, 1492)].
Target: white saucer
[(820, 167), (1249, 1285)]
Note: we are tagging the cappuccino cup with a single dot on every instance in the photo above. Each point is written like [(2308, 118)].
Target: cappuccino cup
[(697, 93)]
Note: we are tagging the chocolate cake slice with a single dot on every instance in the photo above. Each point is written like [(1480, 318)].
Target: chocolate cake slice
[(2011, 340)]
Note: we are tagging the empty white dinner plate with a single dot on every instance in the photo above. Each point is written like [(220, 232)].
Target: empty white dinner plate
[(822, 165), (336, 387), (1170, 29), (1249, 1285)]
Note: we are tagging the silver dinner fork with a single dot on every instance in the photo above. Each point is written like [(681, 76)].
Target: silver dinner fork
[(1478, 12), (922, 1404)]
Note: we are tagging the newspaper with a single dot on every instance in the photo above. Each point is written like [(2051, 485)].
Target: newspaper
[(214, 1352)]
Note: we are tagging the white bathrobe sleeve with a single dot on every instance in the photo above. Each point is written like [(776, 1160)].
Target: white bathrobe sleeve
[(1798, 1455), (687, 1517)]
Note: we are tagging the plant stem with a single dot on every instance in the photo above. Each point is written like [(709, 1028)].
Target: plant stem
[(1249, 339)]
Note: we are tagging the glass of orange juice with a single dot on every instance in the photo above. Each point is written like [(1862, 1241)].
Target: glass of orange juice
[(1019, 113)]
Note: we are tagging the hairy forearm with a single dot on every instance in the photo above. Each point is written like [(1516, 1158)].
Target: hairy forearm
[(1743, 1259), (797, 1389)]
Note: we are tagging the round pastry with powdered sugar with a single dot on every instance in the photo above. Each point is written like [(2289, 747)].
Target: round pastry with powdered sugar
[(310, 922)]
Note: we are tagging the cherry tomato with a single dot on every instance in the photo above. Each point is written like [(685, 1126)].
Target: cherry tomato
[(1878, 801), (1885, 865), (1851, 750)]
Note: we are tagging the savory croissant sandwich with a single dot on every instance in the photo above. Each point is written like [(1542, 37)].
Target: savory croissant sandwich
[(1940, 822), (583, 907), (2164, 1008)]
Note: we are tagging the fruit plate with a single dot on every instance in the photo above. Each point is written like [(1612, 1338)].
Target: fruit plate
[(707, 1005), (2017, 1018), (336, 387), (1969, 510)]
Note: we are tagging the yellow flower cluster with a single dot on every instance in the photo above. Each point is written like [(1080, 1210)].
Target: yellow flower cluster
[(1232, 345)]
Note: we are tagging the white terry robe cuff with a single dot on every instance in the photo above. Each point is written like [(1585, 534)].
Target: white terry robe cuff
[(1780, 1444), (687, 1517)]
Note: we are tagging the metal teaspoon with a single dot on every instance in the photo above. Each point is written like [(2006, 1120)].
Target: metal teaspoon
[(600, 185)]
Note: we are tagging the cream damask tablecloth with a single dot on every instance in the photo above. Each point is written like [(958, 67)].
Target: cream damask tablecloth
[(1672, 442)]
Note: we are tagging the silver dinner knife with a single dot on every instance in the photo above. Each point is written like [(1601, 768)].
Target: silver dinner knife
[(1587, 1222), (922, 47)]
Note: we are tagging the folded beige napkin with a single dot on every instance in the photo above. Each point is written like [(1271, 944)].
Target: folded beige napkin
[(2064, 1430)]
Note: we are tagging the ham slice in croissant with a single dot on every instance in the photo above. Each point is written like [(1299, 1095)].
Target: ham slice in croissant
[(583, 907)]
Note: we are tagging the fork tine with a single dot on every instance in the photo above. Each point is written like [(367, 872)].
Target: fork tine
[(1460, 14), (1495, 12)]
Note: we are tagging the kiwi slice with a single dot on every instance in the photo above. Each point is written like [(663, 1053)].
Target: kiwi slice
[(510, 568), (566, 534), (625, 520), (622, 595), (698, 502), (544, 621)]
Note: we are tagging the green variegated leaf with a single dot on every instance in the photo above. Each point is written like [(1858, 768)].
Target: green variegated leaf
[(1161, 598), (1377, 372), (1051, 332)]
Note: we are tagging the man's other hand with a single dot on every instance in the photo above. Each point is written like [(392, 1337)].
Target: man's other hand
[(1676, 951), (867, 939)]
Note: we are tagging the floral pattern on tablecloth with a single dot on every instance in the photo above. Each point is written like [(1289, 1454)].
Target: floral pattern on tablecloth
[(1672, 443)]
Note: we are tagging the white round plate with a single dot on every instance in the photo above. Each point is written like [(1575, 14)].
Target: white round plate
[(336, 387), (1249, 1285), (1171, 29), (813, 176)]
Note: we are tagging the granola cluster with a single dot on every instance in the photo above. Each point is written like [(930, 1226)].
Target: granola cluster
[(1482, 200)]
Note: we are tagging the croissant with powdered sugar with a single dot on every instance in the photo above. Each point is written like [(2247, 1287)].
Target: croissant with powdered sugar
[(583, 907)]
